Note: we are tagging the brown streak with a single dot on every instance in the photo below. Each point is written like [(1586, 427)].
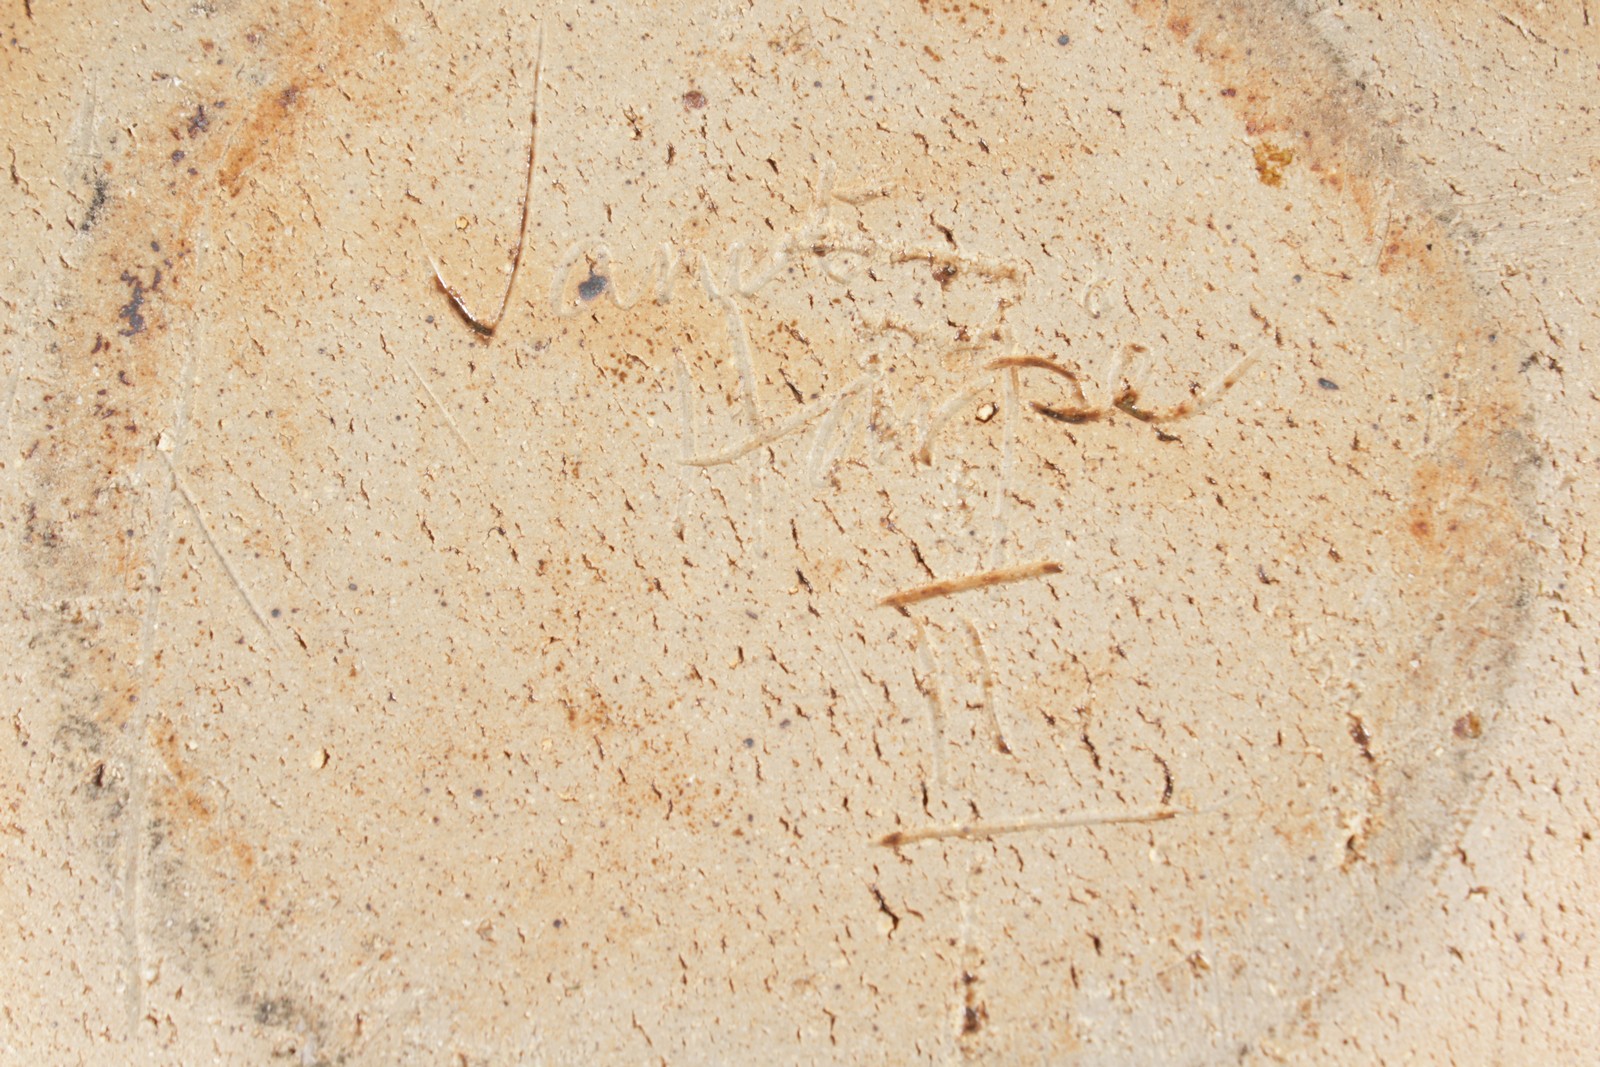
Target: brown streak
[(1040, 363), (968, 582), (1072, 415), (487, 328), (1037, 362), (460, 304), (1127, 406)]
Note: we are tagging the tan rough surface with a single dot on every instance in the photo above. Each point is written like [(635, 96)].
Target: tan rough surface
[(795, 629)]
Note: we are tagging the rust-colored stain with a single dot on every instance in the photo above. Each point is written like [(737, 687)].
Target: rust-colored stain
[(308, 57), (1458, 531), (98, 491), (1407, 244), (961, 11), (182, 808), (1277, 79), (1270, 161), (90, 537), (1458, 512), (267, 128), (135, 283), (589, 711)]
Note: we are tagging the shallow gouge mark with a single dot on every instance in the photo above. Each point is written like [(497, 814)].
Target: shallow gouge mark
[(928, 654), (792, 424), (1128, 400), (1039, 363), (766, 437), (443, 411), (989, 694), (488, 326), (222, 557), (969, 582), (978, 831), (946, 412)]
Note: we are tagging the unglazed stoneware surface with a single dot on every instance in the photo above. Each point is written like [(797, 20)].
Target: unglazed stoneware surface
[(692, 533)]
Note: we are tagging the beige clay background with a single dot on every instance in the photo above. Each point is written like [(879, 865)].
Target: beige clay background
[(757, 645)]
